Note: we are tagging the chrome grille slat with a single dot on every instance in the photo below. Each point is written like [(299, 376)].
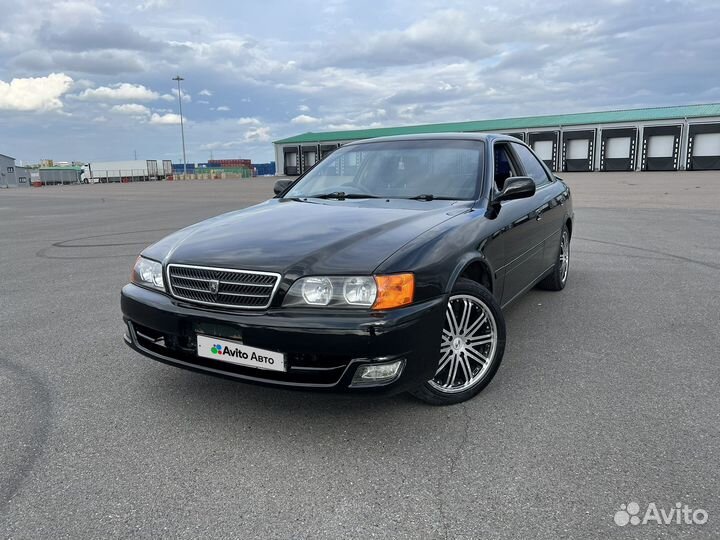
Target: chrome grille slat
[(190, 288), (247, 284), (192, 278), (236, 288), (244, 295)]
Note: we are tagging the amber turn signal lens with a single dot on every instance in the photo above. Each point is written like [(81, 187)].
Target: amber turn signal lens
[(394, 291)]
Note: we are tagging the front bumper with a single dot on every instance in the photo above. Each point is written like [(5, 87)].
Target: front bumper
[(322, 349)]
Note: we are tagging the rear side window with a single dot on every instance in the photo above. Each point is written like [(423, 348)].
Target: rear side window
[(531, 164)]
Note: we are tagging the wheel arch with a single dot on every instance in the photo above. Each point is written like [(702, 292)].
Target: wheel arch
[(474, 268)]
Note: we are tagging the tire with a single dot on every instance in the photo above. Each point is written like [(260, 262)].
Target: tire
[(557, 280), (478, 334)]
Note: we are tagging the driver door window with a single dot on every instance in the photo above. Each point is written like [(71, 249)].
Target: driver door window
[(533, 168), (504, 167)]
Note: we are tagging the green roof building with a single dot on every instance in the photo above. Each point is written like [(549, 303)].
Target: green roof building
[(659, 138)]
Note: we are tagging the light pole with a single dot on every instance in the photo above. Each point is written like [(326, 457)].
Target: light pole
[(178, 78)]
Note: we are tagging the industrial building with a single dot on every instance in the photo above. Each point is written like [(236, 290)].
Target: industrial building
[(7, 171), (22, 176), (654, 139), (12, 175)]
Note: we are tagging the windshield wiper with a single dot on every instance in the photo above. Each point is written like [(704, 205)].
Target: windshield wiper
[(341, 195), (431, 197)]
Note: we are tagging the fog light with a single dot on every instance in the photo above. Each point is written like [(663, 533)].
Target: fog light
[(375, 373)]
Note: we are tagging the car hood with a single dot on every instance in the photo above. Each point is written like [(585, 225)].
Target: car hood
[(302, 237)]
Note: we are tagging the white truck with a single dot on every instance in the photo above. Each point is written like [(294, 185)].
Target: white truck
[(122, 171)]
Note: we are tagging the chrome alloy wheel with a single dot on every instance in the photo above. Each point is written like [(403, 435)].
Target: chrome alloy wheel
[(469, 341), (564, 256)]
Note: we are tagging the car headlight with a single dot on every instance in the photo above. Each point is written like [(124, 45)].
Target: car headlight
[(317, 291), (148, 274), (375, 292), (359, 291)]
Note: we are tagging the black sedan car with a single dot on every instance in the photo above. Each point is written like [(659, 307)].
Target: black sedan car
[(383, 269)]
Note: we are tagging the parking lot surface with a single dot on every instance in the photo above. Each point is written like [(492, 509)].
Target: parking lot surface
[(608, 392)]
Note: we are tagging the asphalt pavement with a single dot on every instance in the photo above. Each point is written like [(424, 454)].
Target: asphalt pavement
[(608, 393)]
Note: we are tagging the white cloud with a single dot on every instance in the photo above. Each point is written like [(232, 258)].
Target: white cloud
[(131, 108), (97, 62), (151, 4), (303, 108), (35, 93), (73, 10), (185, 95), (168, 97), (247, 121), (120, 91), (205, 92), (169, 118), (425, 40), (304, 119), (220, 108), (224, 145), (257, 134)]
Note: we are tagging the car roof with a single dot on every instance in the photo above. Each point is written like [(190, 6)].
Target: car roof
[(466, 136)]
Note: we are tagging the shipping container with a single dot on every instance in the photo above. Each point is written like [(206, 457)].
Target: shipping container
[(178, 168), (265, 169), (225, 163)]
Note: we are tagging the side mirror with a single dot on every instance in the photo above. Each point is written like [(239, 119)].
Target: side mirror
[(281, 185), (517, 187)]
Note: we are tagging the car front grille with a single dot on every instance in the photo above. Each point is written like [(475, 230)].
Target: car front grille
[(224, 287)]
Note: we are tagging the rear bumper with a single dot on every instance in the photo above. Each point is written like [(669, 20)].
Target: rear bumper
[(322, 349)]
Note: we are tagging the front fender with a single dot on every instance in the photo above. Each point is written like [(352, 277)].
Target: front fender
[(440, 255), (466, 261)]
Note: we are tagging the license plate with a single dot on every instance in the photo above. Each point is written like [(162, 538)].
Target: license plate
[(233, 352)]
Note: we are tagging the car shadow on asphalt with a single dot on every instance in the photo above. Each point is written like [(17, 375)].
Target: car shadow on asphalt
[(221, 393), (194, 403)]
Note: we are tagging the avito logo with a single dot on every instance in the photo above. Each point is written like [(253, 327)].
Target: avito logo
[(678, 515), (238, 353)]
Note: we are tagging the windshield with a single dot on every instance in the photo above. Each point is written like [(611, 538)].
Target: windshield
[(441, 169)]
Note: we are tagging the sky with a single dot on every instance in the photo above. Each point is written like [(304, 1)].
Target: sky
[(85, 80)]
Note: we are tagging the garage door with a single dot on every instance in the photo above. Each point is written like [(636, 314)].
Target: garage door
[(291, 155), (578, 150), (703, 147), (309, 157), (617, 149), (661, 148)]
